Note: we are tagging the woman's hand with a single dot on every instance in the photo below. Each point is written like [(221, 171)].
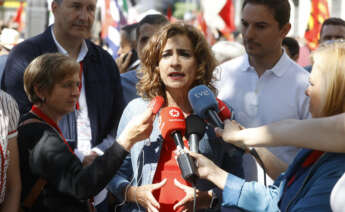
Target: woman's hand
[(88, 159), (230, 133), (139, 128), (208, 170), (203, 199), (143, 195)]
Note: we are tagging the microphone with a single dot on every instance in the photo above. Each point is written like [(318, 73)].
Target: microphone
[(224, 111), (195, 129), (156, 104), (205, 105), (173, 126)]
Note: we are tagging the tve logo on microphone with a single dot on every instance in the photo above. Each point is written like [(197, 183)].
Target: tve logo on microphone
[(201, 93)]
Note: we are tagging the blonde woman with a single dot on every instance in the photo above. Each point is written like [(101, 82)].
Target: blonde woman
[(308, 182)]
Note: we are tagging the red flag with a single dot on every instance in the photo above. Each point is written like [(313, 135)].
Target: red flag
[(169, 13), (319, 12), (18, 18), (228, 15), (202, 25)]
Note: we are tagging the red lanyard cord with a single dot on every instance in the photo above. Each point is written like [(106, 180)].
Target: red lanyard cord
[(50, 122)]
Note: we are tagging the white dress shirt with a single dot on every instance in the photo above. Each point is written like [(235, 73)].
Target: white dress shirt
[(279, 93), (83, 120)]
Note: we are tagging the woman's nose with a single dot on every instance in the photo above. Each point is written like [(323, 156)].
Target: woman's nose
[(175, 60)]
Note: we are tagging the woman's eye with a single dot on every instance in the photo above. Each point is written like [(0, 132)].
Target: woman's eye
[(185, 54), (165, 54)]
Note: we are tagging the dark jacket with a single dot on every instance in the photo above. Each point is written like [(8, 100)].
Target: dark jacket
[(69, 185), (102, 85)]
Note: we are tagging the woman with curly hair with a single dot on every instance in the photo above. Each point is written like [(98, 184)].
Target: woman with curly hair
[(176, 59)]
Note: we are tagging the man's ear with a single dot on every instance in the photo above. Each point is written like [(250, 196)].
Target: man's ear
[(54, 6), (285, 30)]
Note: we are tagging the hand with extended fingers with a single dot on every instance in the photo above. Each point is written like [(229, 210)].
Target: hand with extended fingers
[(143, 195), (202, 197)]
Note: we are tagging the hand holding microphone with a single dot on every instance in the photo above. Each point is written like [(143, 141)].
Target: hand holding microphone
[(230, 133), (140, 127)]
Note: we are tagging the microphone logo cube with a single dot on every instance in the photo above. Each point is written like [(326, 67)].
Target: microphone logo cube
[(174, 113)]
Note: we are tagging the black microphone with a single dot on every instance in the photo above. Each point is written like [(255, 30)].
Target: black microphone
[(195, 129)]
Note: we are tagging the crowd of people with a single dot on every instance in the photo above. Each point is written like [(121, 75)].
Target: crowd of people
[(81, 131)]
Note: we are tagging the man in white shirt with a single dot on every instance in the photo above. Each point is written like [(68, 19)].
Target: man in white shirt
[(264, 85)]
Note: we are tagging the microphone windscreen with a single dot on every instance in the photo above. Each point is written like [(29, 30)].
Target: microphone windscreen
[(171, 119), (156, 104), (224, 111), (202, 99), (195, 125)]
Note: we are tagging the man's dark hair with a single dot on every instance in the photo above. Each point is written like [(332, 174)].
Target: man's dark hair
[(130, 33), (280, 8), (292, 45), (155, 19), (332, 21)]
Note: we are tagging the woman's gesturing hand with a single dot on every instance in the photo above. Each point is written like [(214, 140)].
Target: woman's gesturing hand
[(139, 128), (202, 198), (143, 195)]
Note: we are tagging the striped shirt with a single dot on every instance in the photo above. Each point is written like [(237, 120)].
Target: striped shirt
[(9, 117)]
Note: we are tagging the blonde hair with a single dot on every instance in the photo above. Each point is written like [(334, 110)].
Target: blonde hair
[(330, 59), (45, 71), (150, 84)]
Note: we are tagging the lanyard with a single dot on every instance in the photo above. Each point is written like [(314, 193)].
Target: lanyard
[(51, 123)]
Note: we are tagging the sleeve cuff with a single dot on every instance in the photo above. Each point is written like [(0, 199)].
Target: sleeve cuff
[(12, 134), (232, 191), (79, 154), (118, 189), (98, 151)]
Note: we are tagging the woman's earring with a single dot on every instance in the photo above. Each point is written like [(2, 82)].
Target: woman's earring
[(43, 100)]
